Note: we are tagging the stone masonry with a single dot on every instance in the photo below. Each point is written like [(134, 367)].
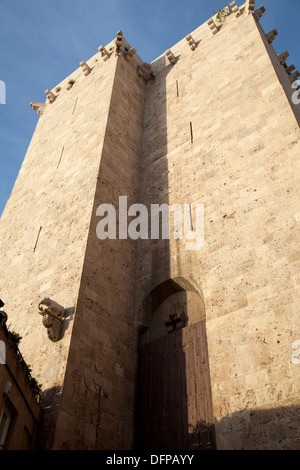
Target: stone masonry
[(211, 121)]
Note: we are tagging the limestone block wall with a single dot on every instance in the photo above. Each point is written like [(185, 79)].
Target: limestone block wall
[(219, 130), (214, 127), (45, 224), (98, 401)]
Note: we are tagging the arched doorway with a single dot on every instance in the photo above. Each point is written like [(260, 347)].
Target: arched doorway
[(174, 393)]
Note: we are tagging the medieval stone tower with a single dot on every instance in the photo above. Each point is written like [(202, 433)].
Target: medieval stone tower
[(159, 346)]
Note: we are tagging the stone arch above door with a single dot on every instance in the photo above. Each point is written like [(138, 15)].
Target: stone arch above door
[(171, 305)]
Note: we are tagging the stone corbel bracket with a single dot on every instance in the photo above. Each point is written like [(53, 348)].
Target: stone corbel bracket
[(259, 13), (53, 316), (119, 42), (250, 6), (236, 10), (129, 54), (141, 70), (104, 53), (191, 42), (271, 35), (289, 69), (283, 57), (146, 71), (70, 84), (293, 77), (170, 56), (85, 68), (39, 107), (213, 26), (50, 96), (151, 73)]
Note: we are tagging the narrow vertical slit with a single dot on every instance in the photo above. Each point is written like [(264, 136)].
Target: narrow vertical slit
[(37, 239), (192, 137), (75, 105), (177, 89), (191, 218), (61, 154)]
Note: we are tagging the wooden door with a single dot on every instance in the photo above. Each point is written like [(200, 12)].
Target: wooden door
[(175, 405)]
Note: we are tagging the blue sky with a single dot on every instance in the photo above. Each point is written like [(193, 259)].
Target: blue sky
[(43, 41)]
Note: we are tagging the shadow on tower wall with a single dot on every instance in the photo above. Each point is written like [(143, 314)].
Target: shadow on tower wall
[(153, 255), (251, 429), (171, 366), (260, 429)]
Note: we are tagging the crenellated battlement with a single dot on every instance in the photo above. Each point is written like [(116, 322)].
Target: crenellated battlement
[(120, 48)]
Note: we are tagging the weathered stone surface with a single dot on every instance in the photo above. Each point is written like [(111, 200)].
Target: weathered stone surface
[(216, 128)]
